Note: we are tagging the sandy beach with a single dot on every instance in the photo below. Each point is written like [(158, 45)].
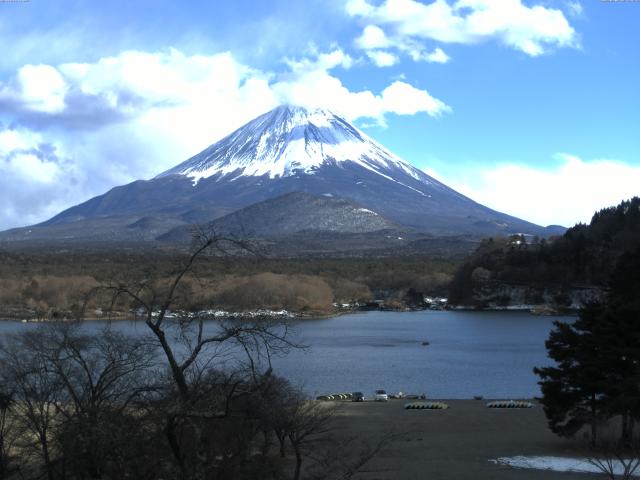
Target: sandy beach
[(457, 443)]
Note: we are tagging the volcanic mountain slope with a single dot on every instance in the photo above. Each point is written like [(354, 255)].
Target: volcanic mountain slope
[(293, 213), (289, 149), (299, 224), (299, 212)]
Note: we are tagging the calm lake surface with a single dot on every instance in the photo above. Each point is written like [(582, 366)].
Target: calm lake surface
[(469, 353)]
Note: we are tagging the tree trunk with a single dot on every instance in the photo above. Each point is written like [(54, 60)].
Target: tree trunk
[(267, 442), (296, 475), (282, 441), (594, 421), (200, 457), (176, 371), (63, 468), (172, 438), (625, 429), (46, 456), (2, 461)]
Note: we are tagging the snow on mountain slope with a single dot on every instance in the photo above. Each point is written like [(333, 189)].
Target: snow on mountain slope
[(290, 140)]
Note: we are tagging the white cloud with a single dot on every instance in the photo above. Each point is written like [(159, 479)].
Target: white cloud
[(438, 56), (136, 114), (382, 58), (359, 7), (434, 174), (37, 180), (372, 37), (569, 193), (575, 8), (312, 85), (12, 140), (175, 94), (321, 61), (533, 30), (319, 88), (373, 40), (41, 87), (404, 99)]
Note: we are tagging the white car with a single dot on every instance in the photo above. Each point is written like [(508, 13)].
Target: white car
[(380, 396)]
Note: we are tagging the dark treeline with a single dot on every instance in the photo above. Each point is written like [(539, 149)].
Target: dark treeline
[(585, 255), (52, 281), (187, 400)]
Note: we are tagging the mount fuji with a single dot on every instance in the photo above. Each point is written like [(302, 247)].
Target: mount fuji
[(348, 183)]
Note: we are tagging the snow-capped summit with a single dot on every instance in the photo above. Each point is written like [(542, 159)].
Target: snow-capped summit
[(291, 140)]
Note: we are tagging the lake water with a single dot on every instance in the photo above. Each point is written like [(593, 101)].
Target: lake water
[(469, 353)]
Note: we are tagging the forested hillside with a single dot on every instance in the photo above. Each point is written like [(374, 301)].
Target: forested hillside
[(47, 284), (560, 272)]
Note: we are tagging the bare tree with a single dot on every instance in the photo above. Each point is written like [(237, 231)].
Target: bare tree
[(37, 393), (69, 385), (279, 405), (256, 337), (193, 348), (8, 435), (94, 370), (616, 459), (616, 465), (101, 375), (309, 422), (344, 457), (308, 427)]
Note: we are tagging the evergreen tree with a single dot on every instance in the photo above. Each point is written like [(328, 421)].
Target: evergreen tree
[(573, 391), (622, 342), (597, 371)]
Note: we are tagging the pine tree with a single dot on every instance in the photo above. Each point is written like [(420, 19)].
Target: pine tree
[(573, 391), (622, 343), (597, 371)]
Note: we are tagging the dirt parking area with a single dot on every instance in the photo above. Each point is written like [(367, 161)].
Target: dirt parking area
[(456, 443)]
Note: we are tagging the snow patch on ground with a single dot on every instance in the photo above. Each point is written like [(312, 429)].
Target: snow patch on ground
[(556, 464)]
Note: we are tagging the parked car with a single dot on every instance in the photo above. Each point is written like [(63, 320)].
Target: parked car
[(357, 397), (381, 396)]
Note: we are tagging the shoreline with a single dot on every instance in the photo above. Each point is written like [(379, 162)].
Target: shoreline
[(286, 315)]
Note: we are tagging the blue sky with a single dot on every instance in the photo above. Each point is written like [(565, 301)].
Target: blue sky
[(530, 107)]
